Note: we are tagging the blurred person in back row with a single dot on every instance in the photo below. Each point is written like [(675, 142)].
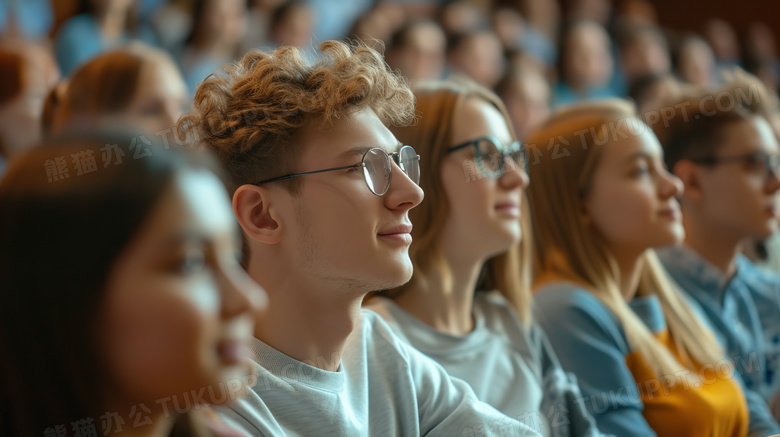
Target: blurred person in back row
[(139, 86), (478, 55), (526, 94), (218, 31), (586, 64), (123, 294), (28, 71), (418, 51), (322, 190), (100, 25)]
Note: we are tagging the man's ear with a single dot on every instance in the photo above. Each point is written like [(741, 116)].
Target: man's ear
[(256, 214), (690, 175)]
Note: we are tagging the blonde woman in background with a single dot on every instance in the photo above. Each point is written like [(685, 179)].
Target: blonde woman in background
[(468, 304), (601, 200)]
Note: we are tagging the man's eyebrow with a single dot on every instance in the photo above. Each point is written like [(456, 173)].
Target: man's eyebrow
[(361, 150)]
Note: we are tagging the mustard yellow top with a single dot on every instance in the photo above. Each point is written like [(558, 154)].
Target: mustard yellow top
[(674, 406)]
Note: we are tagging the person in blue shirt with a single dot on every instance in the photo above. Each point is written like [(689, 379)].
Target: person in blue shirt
[(586, 65), (32, 19), (728, 159), (101, 25)]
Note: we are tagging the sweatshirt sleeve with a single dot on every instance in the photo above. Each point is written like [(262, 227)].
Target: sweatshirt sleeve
[(590, 344)]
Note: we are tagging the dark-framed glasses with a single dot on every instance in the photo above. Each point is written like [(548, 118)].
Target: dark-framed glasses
[(377, 168), (490, 154), (759, 161)]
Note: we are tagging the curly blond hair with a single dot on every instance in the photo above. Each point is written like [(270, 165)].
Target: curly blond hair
[(248, 113)]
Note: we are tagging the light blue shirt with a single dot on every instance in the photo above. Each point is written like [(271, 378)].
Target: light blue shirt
[(744, 312)]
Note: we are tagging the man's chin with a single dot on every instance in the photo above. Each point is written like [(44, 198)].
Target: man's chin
[(401, 275)]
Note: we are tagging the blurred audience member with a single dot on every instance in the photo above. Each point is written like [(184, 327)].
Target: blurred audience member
[(259, 16), (765, 69), (138, 85), (540, 28), (100, 25), (478, 55), (172, 23), (723, 40), (599, 11), (379, 24), (643, 51), (650, 90), (636, 13), (760, 41), (219, 27), (510, 27), (292, 24), (461, 17), (760, 55), (586, 64), (695, 61), (31, 19), (28, 71), (526, 95), (418, 50)]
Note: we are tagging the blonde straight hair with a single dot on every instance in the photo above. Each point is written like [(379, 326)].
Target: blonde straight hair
[(569, 248), (436, 106)]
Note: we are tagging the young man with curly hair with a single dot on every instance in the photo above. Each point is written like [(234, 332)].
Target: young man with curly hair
[(322, 190)]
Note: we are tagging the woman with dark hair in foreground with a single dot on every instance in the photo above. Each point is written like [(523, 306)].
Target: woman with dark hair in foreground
[(124, 307)]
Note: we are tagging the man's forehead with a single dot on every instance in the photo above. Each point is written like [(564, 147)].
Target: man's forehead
[(350, 135)]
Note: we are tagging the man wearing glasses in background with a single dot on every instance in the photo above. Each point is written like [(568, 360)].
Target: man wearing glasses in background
[(727, 157), (321, 189)]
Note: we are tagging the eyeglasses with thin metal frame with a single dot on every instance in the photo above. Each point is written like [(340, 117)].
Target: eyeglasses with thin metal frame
[(377, 169), (770, 163), (490, 154)]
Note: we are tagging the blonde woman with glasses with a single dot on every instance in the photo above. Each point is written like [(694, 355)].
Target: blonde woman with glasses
[(602, 199), (468, 304)]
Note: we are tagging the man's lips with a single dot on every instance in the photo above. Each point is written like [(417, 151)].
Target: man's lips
[(399, 233)]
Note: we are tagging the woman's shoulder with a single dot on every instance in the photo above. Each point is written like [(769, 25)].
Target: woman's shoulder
[(562, 296), (562, 307)]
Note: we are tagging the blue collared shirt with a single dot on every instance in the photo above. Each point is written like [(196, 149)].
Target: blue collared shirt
[(743, 311)]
